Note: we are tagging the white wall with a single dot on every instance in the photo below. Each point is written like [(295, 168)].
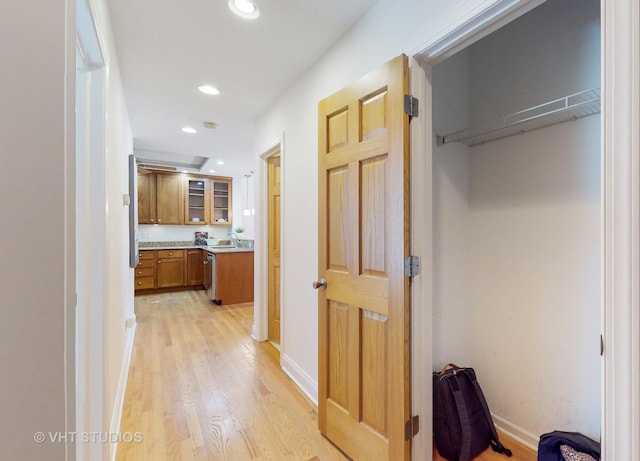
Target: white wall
[(535, 287), (118, 145), (109, 337), (533, 232), (552, 51), (167, 233), (37, 264), (451, 323)]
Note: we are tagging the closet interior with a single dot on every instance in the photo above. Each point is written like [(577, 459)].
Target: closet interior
[(517, 214)]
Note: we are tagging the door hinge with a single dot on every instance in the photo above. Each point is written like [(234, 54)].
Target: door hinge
[(410, 105), (411, 266), (601, 345), (411, 427)]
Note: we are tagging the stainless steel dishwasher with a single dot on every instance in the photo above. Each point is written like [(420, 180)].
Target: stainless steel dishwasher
[(211, 289)]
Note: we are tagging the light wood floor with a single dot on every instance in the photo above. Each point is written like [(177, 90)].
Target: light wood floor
[(201, 389), (520, 452)]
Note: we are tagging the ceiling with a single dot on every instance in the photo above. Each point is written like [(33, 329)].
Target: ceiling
[(166, 49)]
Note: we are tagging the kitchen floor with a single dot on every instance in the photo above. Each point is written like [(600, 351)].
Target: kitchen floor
[(201, 389)]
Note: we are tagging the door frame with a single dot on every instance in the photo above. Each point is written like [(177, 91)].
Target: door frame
[(620, 70), (90, 226), (259, 331)]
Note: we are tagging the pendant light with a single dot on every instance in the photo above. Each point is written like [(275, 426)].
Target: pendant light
[(247, 211)]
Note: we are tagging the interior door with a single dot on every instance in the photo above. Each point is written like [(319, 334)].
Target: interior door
[(274, 247), (364, 317)]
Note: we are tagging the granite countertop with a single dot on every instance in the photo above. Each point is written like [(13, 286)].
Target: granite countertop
[(186, 245)]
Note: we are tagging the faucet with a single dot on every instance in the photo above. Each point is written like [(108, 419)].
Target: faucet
[(234, 238)]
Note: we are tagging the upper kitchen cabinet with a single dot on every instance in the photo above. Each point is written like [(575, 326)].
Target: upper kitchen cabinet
[(169, 201), (222, 208), (207, 200), (146, 197), (173, 198), (197, 209), (160, 198)]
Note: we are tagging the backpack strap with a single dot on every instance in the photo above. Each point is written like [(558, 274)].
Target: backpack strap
[(463, 415), (496, 445)]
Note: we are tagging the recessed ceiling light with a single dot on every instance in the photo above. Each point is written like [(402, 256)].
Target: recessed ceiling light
[(208, 89), (212, 171), (188, 129), (220, 162), (184, 171), (244, 9)]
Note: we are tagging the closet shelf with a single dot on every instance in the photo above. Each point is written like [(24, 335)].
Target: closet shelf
[(571, 107)]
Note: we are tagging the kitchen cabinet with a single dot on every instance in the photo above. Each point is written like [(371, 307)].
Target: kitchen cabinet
[(195, 268), (234, 277), (169, 203), (160, 198), (221, 211), (170, 268), (146, 197), (145, 271), (173, 198), (197, 208)]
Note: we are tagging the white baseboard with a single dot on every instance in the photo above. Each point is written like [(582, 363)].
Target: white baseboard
[(306, 384), (516, 432), (116, 416)]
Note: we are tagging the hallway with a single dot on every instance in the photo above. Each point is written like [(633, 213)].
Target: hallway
[(201, 389)]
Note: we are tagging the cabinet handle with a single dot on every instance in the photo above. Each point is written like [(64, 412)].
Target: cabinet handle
[(159, 220), (151, 219), (160, 262), (170, 254), (139, 283)]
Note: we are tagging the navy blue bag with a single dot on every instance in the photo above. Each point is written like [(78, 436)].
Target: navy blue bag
[(462, 424), (549, 445)]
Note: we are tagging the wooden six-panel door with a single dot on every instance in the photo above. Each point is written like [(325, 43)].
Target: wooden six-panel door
[(273, 184), (364, 317)]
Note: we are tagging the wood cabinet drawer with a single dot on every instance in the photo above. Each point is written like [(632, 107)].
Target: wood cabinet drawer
[(167, 254), (142, 283), (146, 254), (145, 271), (146, 263)]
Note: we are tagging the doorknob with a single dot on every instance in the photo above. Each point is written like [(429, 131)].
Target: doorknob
[(322, 283)]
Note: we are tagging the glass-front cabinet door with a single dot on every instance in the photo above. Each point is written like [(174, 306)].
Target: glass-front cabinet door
[(197, 201), (221, 210)]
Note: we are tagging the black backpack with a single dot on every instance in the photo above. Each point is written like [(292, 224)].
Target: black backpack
[(462, 425)]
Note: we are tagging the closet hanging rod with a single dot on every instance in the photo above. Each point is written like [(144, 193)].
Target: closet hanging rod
[(571, 107)]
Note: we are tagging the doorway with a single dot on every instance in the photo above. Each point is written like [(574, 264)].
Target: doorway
[(269, 312), (517, 236)]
